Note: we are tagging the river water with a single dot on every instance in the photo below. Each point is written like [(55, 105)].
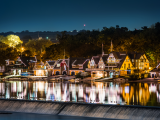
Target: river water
[(132, 93)]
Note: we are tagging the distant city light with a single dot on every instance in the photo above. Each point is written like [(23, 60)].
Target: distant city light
[(46, 37), (84, 25)]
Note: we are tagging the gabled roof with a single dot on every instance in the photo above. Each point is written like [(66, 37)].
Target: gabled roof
[(138, 55), (131, 55), (27, 60), (116, 55), (123, 57), (155, 70), (105, 57), (59, 62), (51, 63), (96, 59), (135, 55), (41, 63), (78, 61)]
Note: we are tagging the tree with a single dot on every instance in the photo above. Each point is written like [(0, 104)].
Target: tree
[(9, 53), (11, 40), (27, 53), (37, 47)]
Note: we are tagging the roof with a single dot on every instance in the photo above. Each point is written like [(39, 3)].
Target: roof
[(116, 55), (27, 60), (77, 61), (41, 63), (96, 59), (138, 55), (122, 57), (104, 58), (135, 55), (59, 62), (51, 63), (155, 70)]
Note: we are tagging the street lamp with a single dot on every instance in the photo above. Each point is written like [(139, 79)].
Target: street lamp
[(22, 51)]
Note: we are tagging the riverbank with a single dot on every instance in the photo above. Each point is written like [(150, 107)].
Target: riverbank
[(80, 109)]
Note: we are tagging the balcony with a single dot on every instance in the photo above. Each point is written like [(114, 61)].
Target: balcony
[(94, 69)]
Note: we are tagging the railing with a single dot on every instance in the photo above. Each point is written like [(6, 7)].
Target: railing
[(39, 69), (91, 69)]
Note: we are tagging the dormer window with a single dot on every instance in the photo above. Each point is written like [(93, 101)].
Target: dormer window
[(92, 63)]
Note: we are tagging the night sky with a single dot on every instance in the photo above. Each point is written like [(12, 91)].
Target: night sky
[(60, 15)]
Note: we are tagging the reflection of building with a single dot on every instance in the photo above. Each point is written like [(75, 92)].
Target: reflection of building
[(136, 94), (2, 90), (95, 92), (2, 69)]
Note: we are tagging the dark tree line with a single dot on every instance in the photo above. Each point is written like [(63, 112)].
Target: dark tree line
[(89, 43)]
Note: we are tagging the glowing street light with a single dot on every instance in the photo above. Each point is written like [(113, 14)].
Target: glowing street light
[(22, 49)]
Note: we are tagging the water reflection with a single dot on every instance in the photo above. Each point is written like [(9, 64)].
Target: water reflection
[(147, 94)]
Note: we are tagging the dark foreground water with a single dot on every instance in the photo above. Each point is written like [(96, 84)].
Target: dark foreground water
[(23, 116), (145, 94)]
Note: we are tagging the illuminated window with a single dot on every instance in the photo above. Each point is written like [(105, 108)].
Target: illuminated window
[(132, 60), (92, 63)]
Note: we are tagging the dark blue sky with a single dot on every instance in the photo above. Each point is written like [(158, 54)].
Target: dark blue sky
[(59, 15)]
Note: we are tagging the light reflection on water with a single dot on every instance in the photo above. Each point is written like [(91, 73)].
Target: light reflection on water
[(146, 94)]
